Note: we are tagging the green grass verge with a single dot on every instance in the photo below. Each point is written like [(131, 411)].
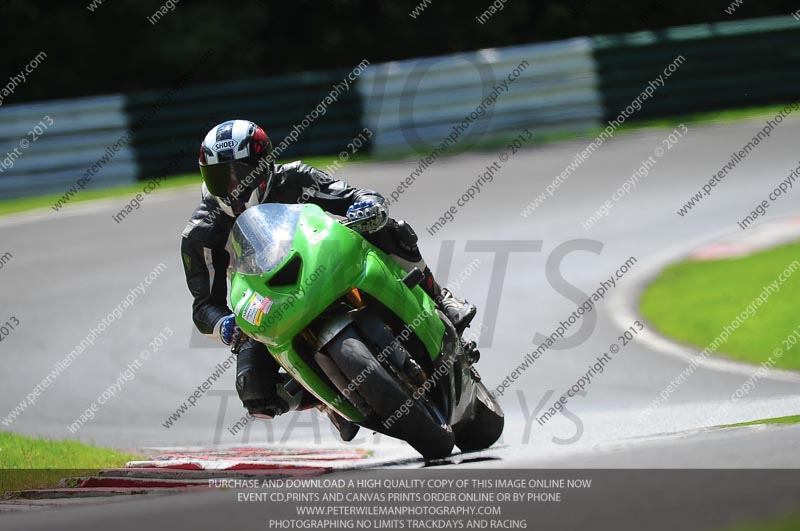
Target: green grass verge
[(694, 301), (10, 206), (24, 204), (792, 419), (31, 462)]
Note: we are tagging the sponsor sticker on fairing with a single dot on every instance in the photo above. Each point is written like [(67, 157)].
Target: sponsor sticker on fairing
[(256, 307)]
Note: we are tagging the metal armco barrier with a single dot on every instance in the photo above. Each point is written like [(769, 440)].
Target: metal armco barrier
[(728, 65), (81, 131), (278, 104), (560, 87), (413, 105)]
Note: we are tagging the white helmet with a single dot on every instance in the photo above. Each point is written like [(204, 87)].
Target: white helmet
[(236, 165)]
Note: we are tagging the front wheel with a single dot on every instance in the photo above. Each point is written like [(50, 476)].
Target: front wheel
[(399, 413)]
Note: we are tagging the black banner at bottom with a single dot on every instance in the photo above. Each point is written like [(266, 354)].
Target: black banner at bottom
[(438, 498)]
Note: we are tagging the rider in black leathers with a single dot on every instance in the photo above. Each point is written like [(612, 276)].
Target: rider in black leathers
[(229, 151)]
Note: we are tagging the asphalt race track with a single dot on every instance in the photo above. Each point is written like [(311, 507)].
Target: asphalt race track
[(70, 269)]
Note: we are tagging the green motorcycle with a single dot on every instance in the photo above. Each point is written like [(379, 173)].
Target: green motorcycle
[(355, 332)]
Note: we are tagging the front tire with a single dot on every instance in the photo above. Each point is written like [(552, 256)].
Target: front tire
[(388, 398), (485, 428)]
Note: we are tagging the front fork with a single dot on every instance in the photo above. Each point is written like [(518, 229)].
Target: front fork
[(458, 357)]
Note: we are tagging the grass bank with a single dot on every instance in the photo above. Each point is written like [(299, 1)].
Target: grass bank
[(693, 302), (33, 462)]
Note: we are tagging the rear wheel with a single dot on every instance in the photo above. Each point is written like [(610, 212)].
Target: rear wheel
[(485, 428), (399, 413)]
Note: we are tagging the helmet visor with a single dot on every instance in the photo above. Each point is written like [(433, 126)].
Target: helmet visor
[(232, 181)]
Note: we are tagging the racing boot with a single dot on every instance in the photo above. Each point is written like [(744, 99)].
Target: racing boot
[(459, 311), (257, 381)]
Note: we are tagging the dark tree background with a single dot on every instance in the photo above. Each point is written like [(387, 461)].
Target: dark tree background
[(116, 49)]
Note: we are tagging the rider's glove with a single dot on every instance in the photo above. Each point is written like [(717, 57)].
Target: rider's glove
[(368, 209), (229, 331)]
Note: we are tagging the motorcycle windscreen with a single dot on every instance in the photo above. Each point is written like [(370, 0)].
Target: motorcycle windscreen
[(263, 236)]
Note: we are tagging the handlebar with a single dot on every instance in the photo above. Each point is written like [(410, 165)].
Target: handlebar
[(350, 223)]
